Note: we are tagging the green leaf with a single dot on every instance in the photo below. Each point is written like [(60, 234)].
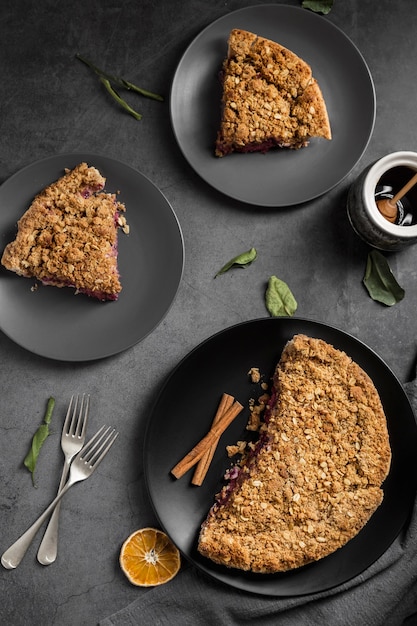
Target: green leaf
[(49, 410), (318, 6), (279, 299), (120, 100), (241, 260), (380, 281), (38, 440), (107, 80)]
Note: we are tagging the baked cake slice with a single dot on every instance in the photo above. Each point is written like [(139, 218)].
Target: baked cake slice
[(270, 98), (68, 236), (314, 477)]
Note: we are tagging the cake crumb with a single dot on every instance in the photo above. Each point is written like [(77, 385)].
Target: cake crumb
[(238, 448), (254, 374), (256, 410)]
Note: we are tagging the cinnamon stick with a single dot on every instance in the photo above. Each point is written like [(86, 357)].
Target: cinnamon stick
[(203, 464), (207, 441)]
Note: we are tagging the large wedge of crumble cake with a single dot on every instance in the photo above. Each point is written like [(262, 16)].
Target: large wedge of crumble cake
[(68, 236), (270, 98), (315, 476)]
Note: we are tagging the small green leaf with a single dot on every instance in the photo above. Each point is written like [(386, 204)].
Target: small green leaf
[(318, 6), (380, 281), (279, 299), (241, 260), (38, 440), (49, 410)]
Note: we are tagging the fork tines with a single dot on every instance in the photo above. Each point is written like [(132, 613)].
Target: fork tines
[(98, 446), (75, 424)]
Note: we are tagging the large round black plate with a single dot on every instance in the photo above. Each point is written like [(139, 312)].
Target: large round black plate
[(183, 414), (281, 177), (57, 324)]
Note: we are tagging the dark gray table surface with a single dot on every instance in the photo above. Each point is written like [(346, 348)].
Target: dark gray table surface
[(51, 104)]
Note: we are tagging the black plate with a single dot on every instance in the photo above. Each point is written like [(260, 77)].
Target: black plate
[(183, 414), (281, 177), (57, 324)]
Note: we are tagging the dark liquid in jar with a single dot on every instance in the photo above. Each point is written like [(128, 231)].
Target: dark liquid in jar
[(389, 184)]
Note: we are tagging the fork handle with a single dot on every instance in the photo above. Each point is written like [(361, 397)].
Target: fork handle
[(49, 545), (13, 555)]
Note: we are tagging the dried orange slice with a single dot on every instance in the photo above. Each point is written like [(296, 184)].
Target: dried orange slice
[(149, 558)]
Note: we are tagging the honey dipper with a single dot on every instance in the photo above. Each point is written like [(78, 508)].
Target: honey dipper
[(388, 206)]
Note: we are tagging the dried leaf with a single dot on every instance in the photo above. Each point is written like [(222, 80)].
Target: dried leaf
[(279, 299), (241, 260), (380, 281)]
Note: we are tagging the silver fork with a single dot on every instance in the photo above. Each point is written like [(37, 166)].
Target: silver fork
[(72, 440), (81, 468)]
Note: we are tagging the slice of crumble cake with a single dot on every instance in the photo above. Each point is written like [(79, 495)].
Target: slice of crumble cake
[(314, 477), (270, 98), (68, 236)]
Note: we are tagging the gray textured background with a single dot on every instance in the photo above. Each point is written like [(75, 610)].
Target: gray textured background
[(50, 103)]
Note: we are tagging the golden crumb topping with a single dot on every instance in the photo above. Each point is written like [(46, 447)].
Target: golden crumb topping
[(269, 97), (315, 477), (68, 236)]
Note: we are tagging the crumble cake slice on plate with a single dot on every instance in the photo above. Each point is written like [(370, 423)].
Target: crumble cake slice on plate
[(68, 236), (270, 98)]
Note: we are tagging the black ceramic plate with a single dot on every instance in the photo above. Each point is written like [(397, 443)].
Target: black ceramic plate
[(281, 177), (183, 414), (57, 324)]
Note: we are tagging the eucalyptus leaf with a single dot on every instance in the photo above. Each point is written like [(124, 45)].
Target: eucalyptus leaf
[(380, 281), (318, 6), (241, 260), (279, 299), (38, 440)]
